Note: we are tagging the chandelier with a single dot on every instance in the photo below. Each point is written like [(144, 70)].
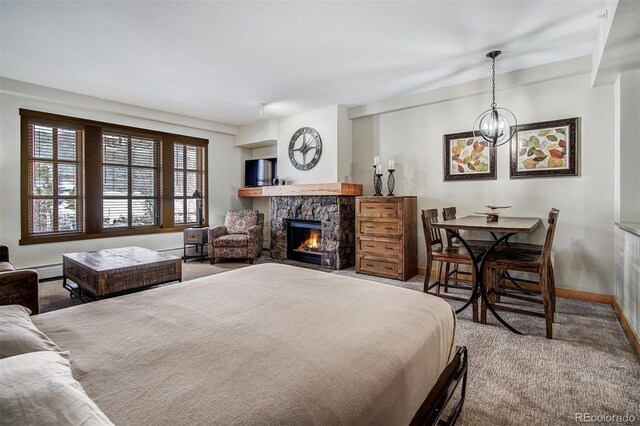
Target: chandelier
[(495, 124)]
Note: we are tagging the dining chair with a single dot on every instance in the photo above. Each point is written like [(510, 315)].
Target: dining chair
[(513, 259), (533, 286), (445, 255), (450, 213)]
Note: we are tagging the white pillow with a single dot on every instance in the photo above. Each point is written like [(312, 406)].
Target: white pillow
[(38, 389), (18, 335)]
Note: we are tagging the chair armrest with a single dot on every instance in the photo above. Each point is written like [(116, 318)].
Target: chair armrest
[(4, 253), (217, 231), (255, 240), (20, 288)]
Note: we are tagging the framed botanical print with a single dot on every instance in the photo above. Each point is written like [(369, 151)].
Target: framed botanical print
[(545, 149), (467, 158)]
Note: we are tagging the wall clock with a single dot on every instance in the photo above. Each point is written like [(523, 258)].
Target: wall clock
[(305, 148)]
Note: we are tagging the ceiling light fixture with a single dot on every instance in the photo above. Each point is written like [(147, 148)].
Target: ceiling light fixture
[(495, 124), (260, 109)]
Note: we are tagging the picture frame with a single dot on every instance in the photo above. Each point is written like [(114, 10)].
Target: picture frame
[(545, 149), (467, 158)]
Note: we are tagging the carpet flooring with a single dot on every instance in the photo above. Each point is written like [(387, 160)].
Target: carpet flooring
[(589, 366)]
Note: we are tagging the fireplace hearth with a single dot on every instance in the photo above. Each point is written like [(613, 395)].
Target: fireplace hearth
[(304, 240)]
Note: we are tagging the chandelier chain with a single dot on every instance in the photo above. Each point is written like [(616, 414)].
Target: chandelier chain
[(493, 82)]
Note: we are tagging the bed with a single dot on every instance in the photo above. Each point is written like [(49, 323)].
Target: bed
[(267, 344)]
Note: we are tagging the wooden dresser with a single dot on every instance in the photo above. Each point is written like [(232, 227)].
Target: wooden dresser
[(386, 237)]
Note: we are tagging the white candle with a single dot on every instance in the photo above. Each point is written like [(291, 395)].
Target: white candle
[(392, 165), (379, 169), (376, 160)]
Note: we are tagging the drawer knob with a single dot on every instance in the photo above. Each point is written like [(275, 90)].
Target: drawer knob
[(368, 207), (388, 208), (369, 227), (370, 265), (388, 248), (388, 228), (388, 267), (370, 245)]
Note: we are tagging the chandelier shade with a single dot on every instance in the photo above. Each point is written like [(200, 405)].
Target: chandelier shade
[(497, 125)]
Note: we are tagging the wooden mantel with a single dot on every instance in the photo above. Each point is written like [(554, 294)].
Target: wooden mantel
[(340, 188)]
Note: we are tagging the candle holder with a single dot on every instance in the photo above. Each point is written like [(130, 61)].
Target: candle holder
[(377, 185), (391, 183)]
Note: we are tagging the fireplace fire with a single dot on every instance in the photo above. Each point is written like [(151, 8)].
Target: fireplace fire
[(304, 240), (312, 243)]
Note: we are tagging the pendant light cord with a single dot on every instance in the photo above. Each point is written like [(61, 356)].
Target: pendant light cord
[(493, 82)]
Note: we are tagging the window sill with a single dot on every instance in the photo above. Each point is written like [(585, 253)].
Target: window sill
[(57, 238)]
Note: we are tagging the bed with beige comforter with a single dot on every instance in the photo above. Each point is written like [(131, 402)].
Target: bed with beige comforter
[(266, 344)]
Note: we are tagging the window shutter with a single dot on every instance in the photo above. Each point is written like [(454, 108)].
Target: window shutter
[(55, 179), (189, 175), (131, 181)]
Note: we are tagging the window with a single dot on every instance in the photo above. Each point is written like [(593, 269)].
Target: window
[(189, 176), (130, 170), (87, 179), (54, 179)]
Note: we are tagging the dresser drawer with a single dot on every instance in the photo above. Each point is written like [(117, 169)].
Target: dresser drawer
[(391, 268), (380, 248), (375, 209), (392, 228)]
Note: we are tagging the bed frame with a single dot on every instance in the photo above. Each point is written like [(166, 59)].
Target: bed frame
[(432, 409)]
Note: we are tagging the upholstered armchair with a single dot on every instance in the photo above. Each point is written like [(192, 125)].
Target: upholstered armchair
[(17, 287), (239, 238)]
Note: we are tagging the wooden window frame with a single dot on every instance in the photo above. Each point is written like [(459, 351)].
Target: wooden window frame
[(91, 170)]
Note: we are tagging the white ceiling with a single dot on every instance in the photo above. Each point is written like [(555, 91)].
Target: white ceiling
[(218, 60)]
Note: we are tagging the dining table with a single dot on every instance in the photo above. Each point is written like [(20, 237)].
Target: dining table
[(501, 231)]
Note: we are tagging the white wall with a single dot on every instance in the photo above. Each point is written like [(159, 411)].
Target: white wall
[(345, 145), (584, 242), (225, 175), (260, 134), (627, 146)]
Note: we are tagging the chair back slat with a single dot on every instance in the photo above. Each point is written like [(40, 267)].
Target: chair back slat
[(432, 235), (552, 220), (449, 213)]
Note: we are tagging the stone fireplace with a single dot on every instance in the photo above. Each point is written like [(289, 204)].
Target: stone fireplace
[(332, 217)]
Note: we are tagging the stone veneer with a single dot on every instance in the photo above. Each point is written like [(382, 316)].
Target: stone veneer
[(337, 214)]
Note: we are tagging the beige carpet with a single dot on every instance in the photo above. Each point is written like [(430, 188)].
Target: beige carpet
[(589, 366)]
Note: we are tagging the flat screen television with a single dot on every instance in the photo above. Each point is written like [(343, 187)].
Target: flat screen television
[(260, 172)]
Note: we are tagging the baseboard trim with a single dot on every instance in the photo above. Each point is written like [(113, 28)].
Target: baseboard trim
[(626, 326), (587, 296), (567, 293)]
